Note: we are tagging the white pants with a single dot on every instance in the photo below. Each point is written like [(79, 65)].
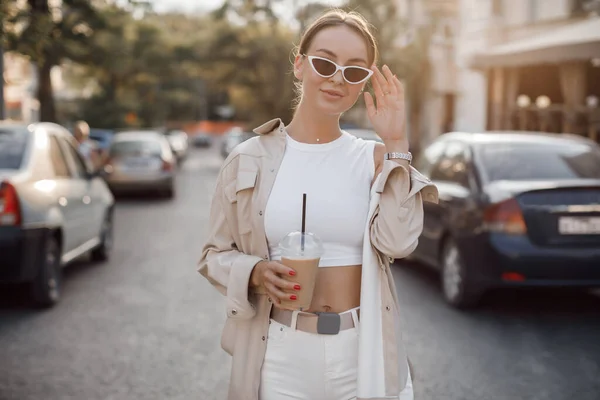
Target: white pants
[(306, 366)]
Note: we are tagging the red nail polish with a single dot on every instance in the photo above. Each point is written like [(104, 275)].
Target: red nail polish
[(297, 287), (293, 297), (292, 272)]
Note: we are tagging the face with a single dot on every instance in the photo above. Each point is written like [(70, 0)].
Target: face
[(333, 95)]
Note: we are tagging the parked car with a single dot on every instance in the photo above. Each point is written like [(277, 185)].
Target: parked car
[(517, 209), (53, 208), (141, 161), (202, 139), (179, 142), (233, 137)]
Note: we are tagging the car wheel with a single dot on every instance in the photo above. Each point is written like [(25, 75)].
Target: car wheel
[(46, 287), (457, 286), (102, 252)]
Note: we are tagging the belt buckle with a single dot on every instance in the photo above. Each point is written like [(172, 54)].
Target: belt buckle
[(328, 323)]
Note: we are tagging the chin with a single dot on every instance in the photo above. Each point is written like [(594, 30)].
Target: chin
[(332, 109)]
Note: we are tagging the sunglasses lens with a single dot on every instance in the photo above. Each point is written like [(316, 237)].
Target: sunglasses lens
[(323, 67), (355, 75)]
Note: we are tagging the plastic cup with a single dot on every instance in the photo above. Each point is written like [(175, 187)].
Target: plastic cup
[(301, 252)]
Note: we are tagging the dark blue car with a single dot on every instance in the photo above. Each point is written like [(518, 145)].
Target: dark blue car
[(517, 209)]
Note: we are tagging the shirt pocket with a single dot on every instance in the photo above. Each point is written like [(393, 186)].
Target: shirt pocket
[(240, 192)]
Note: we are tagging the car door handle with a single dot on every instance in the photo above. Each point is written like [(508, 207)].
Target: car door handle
[(86, 199)]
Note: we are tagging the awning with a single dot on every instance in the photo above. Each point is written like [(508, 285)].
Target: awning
[(577, 41)]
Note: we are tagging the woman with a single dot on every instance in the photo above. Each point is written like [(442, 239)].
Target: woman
[(277, 353)]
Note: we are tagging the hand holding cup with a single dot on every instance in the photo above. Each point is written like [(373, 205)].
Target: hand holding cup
[(269, 274)]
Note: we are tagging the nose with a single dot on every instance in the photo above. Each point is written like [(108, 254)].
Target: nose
[(338, 77)]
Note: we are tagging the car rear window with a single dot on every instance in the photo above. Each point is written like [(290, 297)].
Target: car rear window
[(540, 161), (136, 147), (13, 143)]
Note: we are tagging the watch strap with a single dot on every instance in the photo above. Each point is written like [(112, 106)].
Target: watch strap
[(398, 156)]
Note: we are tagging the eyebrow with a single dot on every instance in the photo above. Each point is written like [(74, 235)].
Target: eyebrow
[(332, 54)]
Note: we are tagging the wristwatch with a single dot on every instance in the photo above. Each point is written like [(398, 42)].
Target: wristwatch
[(399, 156)]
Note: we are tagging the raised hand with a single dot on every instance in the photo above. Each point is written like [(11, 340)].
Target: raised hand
[(388, 114)]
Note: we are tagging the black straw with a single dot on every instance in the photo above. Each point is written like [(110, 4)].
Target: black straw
[(303, 219)]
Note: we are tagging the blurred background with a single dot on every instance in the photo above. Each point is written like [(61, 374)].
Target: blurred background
[(500, 299)]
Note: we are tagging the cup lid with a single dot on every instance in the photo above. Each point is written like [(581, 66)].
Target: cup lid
[(301, 245)]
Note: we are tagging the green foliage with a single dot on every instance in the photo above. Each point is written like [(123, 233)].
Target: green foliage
[(175, 67)]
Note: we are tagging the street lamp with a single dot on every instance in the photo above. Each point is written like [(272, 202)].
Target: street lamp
[(542, 103), (523, 101)]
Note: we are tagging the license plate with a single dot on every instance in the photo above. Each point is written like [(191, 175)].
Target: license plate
[(138, 164), (579, 225)]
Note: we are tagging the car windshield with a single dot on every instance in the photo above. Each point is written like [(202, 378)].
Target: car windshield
[(136, 147), (13, 142), (523, 161)]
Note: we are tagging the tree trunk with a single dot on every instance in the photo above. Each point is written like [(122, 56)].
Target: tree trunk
[(45, 93)]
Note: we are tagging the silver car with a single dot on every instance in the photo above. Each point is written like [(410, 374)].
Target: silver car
[(53, 208), (141, 161)]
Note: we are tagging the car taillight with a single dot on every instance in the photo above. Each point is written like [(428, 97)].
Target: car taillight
[(167, 166), (505, 217), (10, 211), (109, 166)]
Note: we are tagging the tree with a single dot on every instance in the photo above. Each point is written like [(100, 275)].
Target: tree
[(50, 33), (254, 62)]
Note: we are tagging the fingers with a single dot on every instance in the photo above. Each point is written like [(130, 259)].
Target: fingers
[(279, 268), (378, 87), (399, 86), (275, 293), (389, 77), (279, 288), (280, 283), (370, 104)]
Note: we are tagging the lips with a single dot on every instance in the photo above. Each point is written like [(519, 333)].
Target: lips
[(333, 93)]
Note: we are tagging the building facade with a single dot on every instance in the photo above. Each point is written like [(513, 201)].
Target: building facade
[(510, 65), (540, 61)]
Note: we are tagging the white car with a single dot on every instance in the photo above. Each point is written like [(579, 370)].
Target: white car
[(53, 208)]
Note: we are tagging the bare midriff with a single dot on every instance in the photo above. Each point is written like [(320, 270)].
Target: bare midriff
[(337, 289)]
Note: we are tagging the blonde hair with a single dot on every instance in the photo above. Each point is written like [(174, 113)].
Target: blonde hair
[(82, 127), (331, 18)]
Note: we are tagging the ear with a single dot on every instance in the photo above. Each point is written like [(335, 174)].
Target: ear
[(299, 67)]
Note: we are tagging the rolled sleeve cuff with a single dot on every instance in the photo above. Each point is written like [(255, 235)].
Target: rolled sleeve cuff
[(238, 303), (418, 181), (389, 167)]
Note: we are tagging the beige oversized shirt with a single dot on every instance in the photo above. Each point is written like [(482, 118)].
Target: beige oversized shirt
[(237, 242)]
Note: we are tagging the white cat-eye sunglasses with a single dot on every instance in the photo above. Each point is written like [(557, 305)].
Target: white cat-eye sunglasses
[(325, 68)]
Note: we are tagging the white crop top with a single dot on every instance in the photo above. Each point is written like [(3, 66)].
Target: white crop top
[(336, 178)]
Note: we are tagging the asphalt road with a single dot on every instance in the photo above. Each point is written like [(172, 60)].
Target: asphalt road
[(146, 326)]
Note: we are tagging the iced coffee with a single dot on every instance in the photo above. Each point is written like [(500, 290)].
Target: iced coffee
[(301, 252)]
